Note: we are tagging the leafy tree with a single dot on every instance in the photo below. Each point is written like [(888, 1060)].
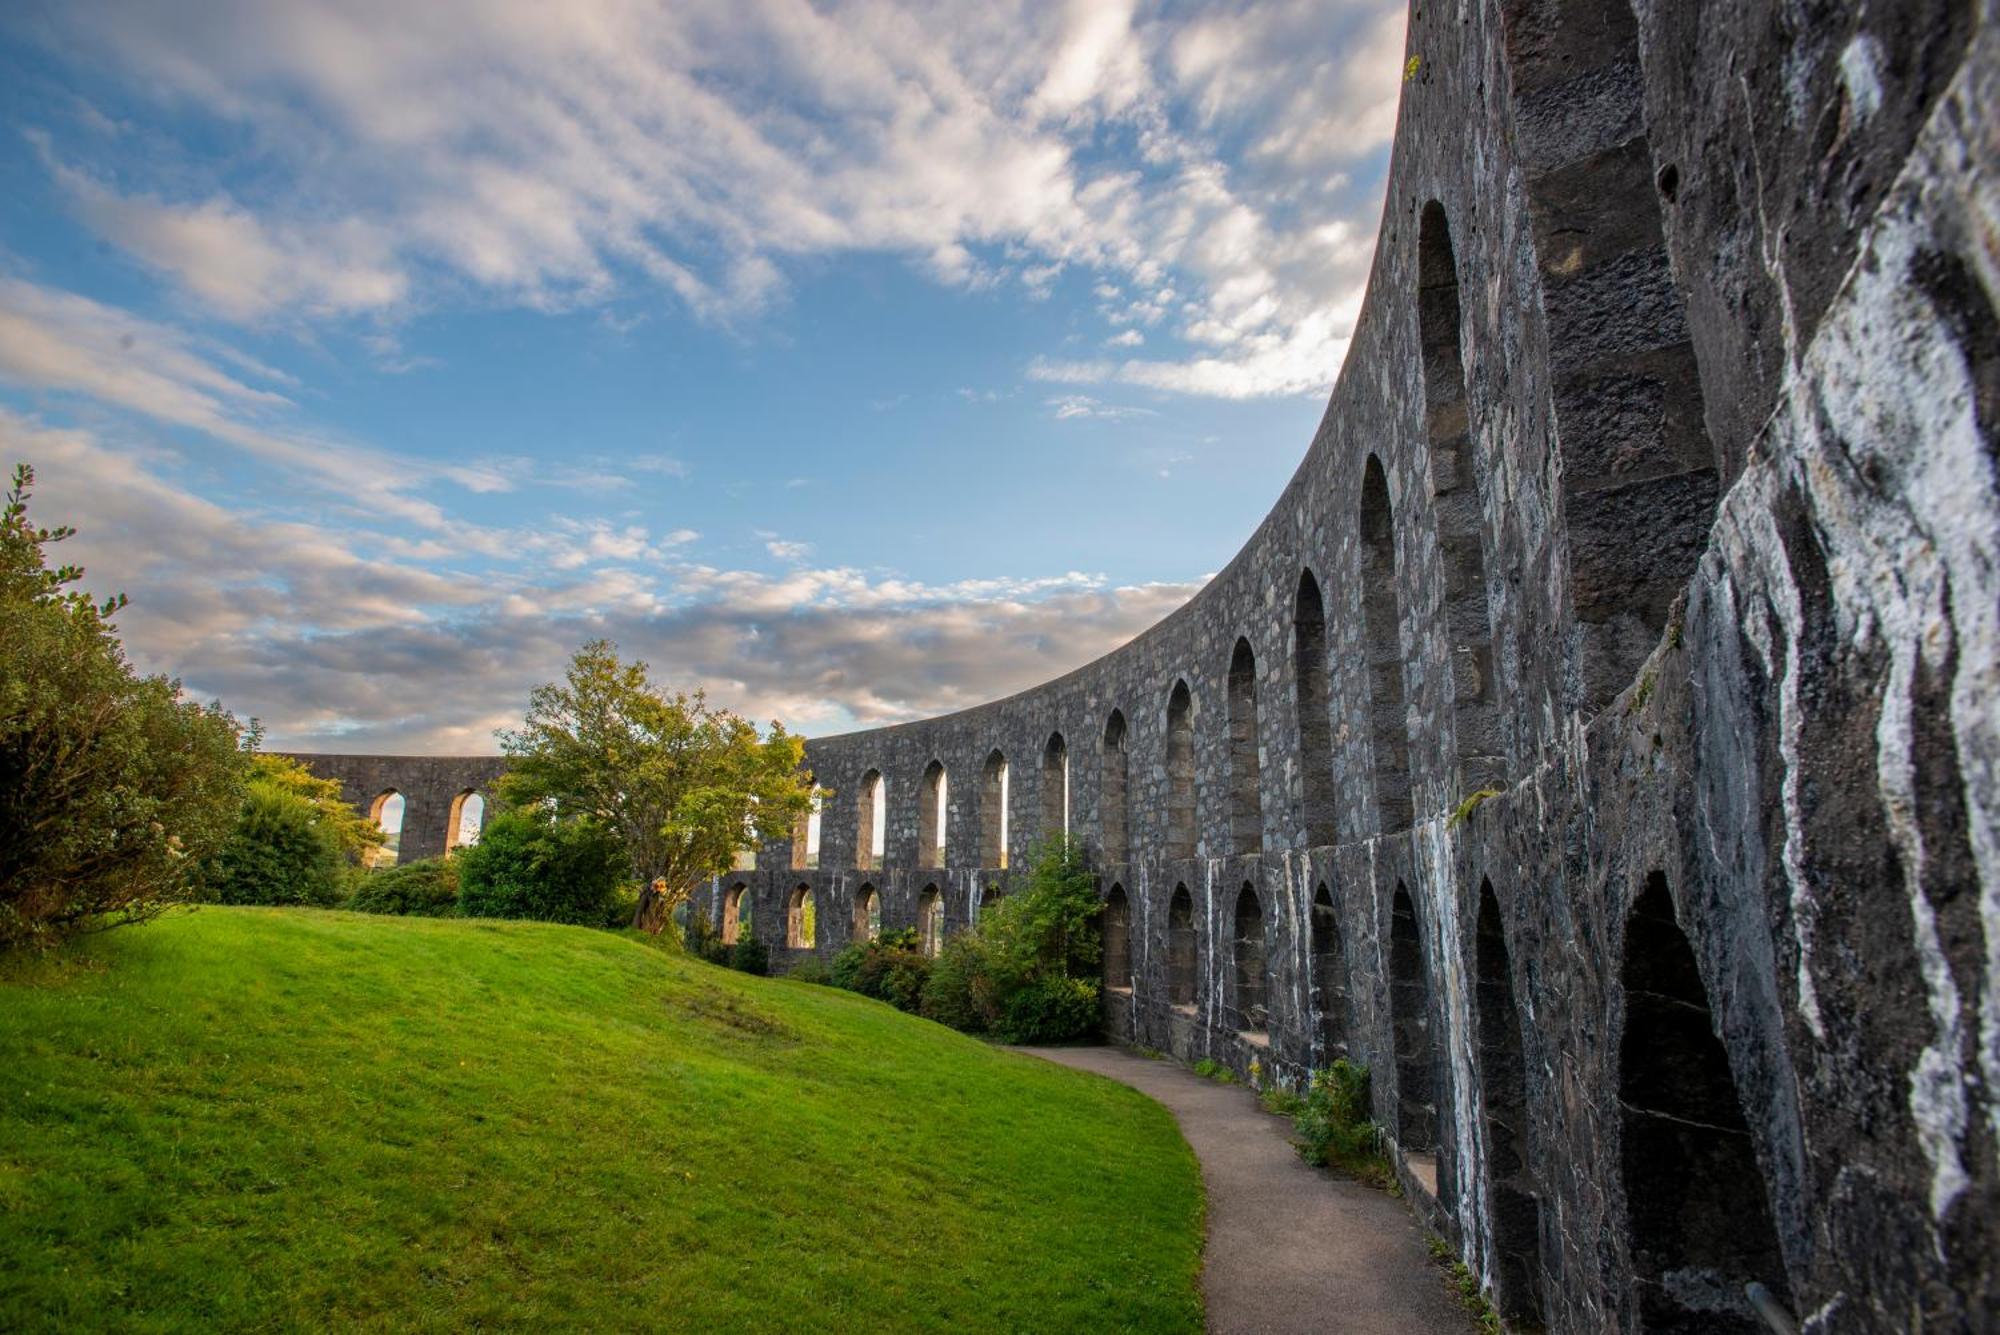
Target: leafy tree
[(528, 864), (280, 852), (1052, 926), (683, 787), (114, 790), (352, 832), (426, 888)]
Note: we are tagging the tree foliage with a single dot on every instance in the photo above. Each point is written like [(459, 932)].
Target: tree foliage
[(683, 786), (280, 852), (114, 790), (528, 864)]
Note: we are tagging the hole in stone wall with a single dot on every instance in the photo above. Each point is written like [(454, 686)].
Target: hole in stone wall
[(1516, 1207), (1329, 975), (387, 813), (1055, 787), (872, 821), (1456, 505), (993, 812), (467, 818), (1669, 181), (1695, 1201), (805, 838), (801, 927), (1315, 719), (1410, 1014), (1180, 772), (1248, 948), (1114, 812), (930, 920), (867, 914), (1117, 940), (931, 816), (1246, 816), (1181, 964), (1381, 613), (732, 913)]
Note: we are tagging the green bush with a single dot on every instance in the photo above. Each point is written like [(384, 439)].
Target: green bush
[(279, 852), (749, 955), (1334, 1128), (891, 968), (1051, 1009), (959, 990), (811, 969), (427, 888), (528, 864)]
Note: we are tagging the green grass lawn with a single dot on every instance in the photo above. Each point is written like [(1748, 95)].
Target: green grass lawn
[(282, 1118)]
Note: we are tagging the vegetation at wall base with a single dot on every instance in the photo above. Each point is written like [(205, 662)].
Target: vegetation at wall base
[(528, 864), (245, 1118), (426, 888), (1333, 1127)]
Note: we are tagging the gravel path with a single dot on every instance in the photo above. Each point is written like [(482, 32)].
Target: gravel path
[(1290, 1247)]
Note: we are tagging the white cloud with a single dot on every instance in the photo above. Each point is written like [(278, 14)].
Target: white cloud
[(550, 155), (1070, 407)]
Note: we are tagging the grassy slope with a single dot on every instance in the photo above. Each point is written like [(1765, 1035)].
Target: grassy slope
[(238, 1117)]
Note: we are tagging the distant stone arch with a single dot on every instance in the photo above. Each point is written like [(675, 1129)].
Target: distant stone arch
[(465, 820), (801, 925), (1246, 809), (993, 800), (1181, 822), (1182, 966), (805, 837), (386, 811), (1410, 1016), (732, 913), (930, 920), (1249, 957), (1055, 787), (1381, 611), (1315, 717), (1114, 813), (871, 821), (1329, 960), (867, 914), (1516, 1203), (1117, 940), (932, 807)]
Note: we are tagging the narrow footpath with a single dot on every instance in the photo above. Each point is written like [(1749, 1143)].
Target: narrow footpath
[(1290, 1247)]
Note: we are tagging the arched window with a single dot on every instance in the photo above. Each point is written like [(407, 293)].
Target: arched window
[(1055, 787), (1695, 1200), (1181, 965), (1246, 811), (1315, 715), (1329, 975), (989, 897), (805, 838), (1248, 949), (931, 816), (1381, 609), (1113, 809), (387, 813), (1117, 941), (993, 832), (1410, 1016), (1181, 837), (732, 913), (467, 818), (1461, 517), (930, 920), (1517, 1229), (867, 914), (801, 931), (871, 827)]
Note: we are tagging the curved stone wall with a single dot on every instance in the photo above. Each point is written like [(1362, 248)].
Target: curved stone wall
[(1597, 739)]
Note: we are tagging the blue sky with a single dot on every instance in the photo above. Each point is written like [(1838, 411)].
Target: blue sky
[(853, 361)]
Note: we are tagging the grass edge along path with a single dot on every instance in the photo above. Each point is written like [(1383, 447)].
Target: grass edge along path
[(247, 1117)]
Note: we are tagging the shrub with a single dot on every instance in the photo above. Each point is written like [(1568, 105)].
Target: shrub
[(115, 792), (280, 852), (1051, 1009), (1051, 925), (1334, 1128), (959, 991), (424, 889), (749, 955), (891, 968), (528, 864), (811, 969)]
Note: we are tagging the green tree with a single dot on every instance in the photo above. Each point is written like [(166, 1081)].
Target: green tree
[(1051, 927), (351, 831), (528, 864), (684, 787), (114, 790)]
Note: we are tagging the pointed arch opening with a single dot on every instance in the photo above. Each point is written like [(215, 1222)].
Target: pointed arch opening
[(930, 920), (867, 914), (932, 799), (1117, 941), (871, 825), (1314, 713), (805, 837), (1329, 961), (1410, 1015), (1182, 971), (1181, 838), (467, 817), (732, 913), (1457, 490), (1516, 1202), (387, 813), (1381, 613), (993, 795), (1246, 806), (1113, 808), (1055, 787), (1250, 960), (1696, 1202), (801, 919)]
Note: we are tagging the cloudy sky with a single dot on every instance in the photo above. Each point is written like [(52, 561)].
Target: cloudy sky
[(856, 361)]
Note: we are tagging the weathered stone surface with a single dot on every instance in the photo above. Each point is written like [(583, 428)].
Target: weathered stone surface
[(1726, 448)]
